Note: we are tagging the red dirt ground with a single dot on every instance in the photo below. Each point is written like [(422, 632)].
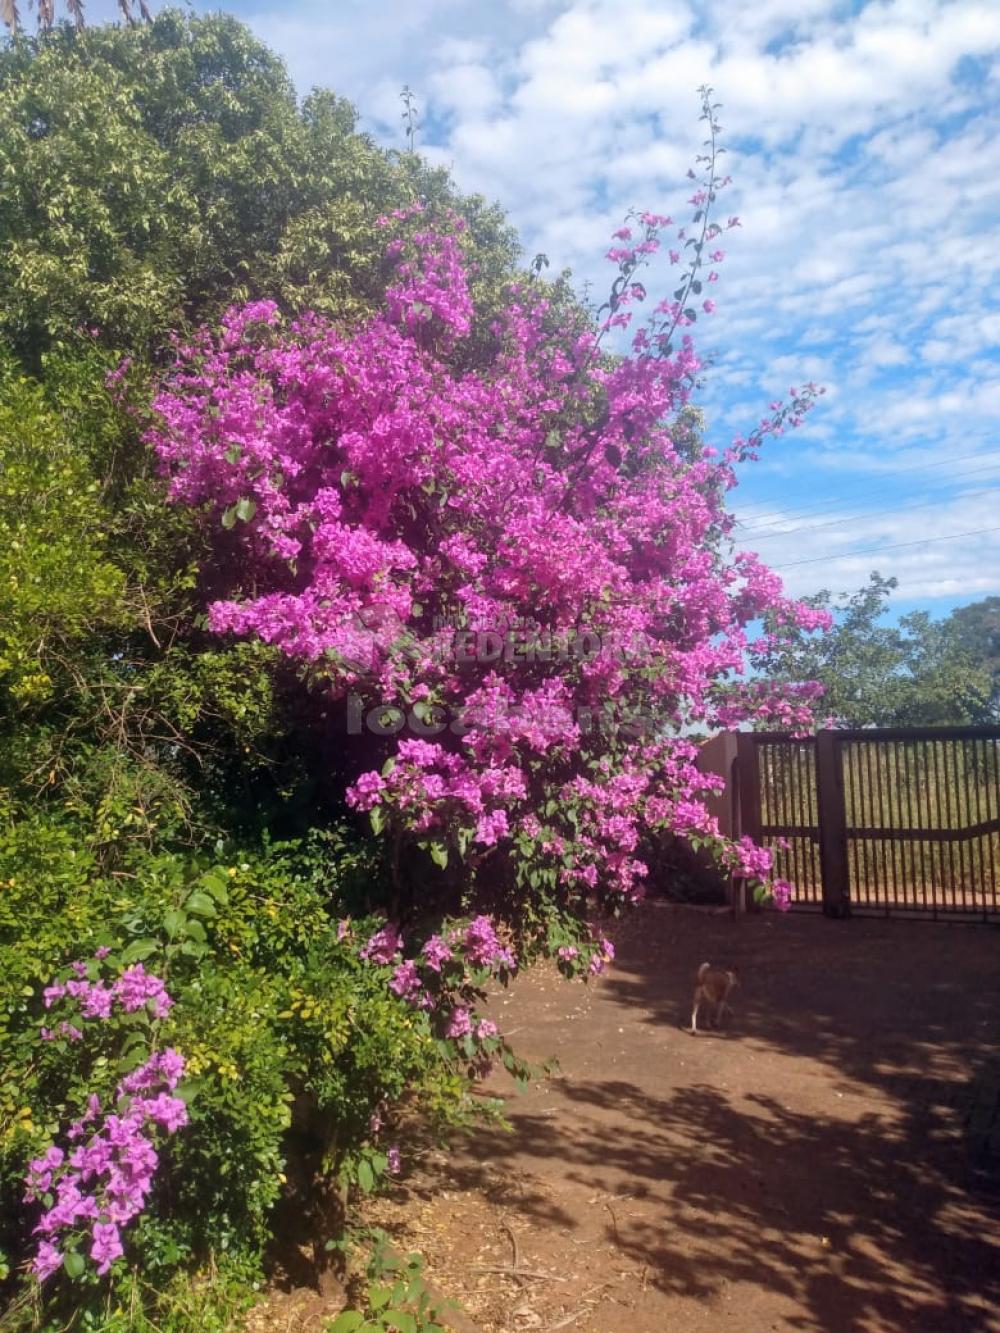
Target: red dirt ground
[(830, 1161)]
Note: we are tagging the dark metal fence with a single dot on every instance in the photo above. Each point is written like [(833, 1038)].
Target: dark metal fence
[(886, 821)]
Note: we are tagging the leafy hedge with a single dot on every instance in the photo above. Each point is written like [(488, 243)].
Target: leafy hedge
[(299, 1056)]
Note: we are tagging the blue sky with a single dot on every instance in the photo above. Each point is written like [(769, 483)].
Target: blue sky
[(864, 142)]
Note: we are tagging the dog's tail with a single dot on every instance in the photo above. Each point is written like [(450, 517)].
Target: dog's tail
[(703, 970)]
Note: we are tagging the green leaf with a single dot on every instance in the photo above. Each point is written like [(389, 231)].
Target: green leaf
[(140, 949), (229, 517), (245, 510), (188, 1089), (196, 931), (173, 923), (74, 1264), (347, 1322), (379, 1296), (439, 854), (400, 1320), (377, 819), (216, 886), (200, 903), (366, 1177)]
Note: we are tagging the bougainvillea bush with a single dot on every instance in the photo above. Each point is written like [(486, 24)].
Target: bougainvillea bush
[(506, 569)]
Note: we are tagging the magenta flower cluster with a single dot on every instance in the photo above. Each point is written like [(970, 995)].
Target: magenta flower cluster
[(378, 481), (440, 978), (134, 989), (102, 1180)]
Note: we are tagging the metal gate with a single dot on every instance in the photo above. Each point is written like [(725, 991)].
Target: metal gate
[(884, 821)]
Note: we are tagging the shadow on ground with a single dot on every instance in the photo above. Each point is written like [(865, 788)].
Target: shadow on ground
[(829, 1162)]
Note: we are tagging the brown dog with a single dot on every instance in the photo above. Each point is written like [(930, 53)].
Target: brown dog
[(712, 990)]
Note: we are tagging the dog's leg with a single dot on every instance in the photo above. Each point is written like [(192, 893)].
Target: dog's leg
[(694, 1013)]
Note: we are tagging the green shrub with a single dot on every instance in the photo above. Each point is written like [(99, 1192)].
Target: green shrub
[(292, 1040)]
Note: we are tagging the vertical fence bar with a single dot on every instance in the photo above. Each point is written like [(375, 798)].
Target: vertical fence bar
[(807, 776), (855, 816), (877, 856), (967, 847), (911, 772), (832, 825), (804, 844), (952, 750), (930, 867)]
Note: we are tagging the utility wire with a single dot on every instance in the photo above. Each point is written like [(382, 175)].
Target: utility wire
[(795, 510), (877, 550), (954, 482), (854, 518), (764, 505), (878, 493)]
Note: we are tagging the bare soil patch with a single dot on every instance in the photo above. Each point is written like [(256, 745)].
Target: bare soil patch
[(828, 1161)]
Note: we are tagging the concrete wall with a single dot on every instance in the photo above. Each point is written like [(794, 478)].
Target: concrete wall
[(718, 755)]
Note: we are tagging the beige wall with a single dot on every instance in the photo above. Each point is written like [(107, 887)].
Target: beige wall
[(718, 756)]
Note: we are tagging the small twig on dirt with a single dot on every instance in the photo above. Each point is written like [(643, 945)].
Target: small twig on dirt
[(614, 1224), (509, 1271), (514, 1269), (584, 1309), (516, 1260), (567, 1319)]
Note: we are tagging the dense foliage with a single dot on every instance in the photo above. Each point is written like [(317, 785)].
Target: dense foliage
[(158, 173), (223, 993)]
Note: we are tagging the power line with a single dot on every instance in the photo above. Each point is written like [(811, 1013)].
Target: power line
[(891, 491), (854, 518), (877, 550), (796, 510), (764, 505)]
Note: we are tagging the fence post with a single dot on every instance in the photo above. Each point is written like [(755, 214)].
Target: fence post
[(832, 826), (748, 797)]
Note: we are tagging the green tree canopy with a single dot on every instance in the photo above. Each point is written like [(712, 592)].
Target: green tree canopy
[(918, 672), (154, 174)]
